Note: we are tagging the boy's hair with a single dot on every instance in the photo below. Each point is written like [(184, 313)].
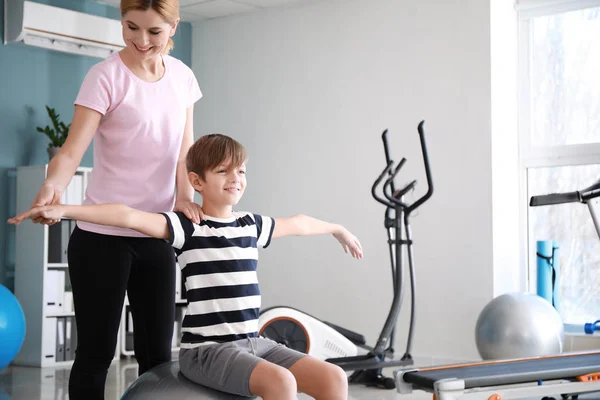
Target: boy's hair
[(212, 150)]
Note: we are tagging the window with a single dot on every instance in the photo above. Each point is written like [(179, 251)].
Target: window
[(560, 142), (572, 227)]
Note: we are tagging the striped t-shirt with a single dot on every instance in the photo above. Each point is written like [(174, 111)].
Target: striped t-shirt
[(218, 260)]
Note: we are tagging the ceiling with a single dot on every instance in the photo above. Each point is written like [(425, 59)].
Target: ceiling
[(196, 10)]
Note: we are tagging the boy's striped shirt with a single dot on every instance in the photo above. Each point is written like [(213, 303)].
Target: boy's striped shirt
[(218, 260)]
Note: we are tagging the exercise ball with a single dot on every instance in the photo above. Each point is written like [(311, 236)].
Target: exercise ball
[(165, 382), (12, 327), (516, 325)]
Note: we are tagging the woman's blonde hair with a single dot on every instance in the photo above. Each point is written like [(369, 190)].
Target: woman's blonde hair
[(167, 9)]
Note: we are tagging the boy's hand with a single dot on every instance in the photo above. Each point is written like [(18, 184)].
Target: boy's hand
[(191, 210), (52, 212), (349, 242)]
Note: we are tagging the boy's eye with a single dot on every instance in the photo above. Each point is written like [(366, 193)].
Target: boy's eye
[(154, 33), (242, 172), (133, 28)]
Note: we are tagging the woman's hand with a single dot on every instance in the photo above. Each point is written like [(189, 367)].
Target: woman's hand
[(191, 210), (48, 195)]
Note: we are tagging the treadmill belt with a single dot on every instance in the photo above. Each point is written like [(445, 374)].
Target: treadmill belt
[(509, 372)]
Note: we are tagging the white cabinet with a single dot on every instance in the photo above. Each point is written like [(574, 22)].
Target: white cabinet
[(42, 280)]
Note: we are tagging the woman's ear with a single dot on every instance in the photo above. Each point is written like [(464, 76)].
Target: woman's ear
[(174, 28)]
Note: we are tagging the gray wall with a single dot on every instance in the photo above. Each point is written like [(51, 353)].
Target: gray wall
[(309, 90)]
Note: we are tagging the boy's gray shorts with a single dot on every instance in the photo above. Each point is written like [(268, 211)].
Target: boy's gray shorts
[(227, 366)]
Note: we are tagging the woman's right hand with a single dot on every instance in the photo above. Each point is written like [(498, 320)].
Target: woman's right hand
[(48, 195)]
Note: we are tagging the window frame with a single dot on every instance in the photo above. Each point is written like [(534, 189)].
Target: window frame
[(541, 156)]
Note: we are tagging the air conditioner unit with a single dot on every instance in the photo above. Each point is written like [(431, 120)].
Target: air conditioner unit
[(59, 29)]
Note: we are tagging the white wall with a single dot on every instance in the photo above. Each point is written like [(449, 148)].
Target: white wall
[(510, 275), (309, 90)]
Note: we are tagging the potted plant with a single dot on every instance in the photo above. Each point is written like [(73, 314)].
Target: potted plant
[(57, 133)]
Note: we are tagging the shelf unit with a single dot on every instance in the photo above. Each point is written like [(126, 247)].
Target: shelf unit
[(42, 280)]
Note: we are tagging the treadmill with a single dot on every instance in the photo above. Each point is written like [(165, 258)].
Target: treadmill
[(566, 375)]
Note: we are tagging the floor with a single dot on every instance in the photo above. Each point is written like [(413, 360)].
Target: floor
[(25, 383)]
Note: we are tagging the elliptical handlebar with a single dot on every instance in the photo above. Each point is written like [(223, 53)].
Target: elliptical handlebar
[(396, 195), (386, 170), (429, 192), (389, 184), (386, 149)]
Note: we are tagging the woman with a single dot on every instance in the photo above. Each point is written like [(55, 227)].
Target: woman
[(137, 105)]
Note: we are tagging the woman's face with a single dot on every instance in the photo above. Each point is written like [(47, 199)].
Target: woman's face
[(146, 33)]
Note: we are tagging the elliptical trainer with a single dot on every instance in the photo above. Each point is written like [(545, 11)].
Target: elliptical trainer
[(323, 339)]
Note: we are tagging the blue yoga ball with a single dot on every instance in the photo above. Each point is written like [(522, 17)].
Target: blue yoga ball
[(12, 327)]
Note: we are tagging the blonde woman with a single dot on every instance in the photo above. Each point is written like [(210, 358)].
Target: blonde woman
[(137, 105)]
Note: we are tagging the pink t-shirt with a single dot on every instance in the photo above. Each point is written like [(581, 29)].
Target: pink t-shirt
[(137, 144)]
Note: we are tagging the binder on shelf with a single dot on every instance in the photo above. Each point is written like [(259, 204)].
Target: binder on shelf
[(54, 291), (68, 334), (73, 337), (60, 339), (49, 327)]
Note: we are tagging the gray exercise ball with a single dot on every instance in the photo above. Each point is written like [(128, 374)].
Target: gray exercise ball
[(516, 325), (165, 382)]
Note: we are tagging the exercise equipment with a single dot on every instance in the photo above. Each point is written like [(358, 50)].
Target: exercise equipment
[(310, 335), (567, 374), (307, 334), (517, 325), (165, 382), (12, 327)]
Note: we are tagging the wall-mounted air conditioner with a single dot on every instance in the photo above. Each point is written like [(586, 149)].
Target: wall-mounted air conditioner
[(54, 28)]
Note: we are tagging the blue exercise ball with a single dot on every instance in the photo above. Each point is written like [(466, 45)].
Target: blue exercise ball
[(518, 325), (12, 327), (4, 395)]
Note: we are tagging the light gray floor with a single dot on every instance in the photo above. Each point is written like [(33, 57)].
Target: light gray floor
[(25, 383)]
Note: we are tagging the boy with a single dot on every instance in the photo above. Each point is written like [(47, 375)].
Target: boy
[(220, 346)]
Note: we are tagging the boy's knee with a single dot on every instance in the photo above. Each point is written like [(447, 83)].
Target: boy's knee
[(284, 380), (273, 382), (337, 379)]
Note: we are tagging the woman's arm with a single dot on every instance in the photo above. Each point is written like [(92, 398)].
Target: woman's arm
[(63, 166), (185, 191)]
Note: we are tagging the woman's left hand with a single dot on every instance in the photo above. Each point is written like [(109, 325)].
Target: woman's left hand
[(191, 210)]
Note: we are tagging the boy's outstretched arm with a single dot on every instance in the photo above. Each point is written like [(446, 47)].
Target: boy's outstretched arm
[(118, 215), (302, 225)]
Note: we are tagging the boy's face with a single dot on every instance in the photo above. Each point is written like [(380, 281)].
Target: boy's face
[(224, 185)]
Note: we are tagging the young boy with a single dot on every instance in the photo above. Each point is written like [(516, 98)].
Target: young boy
[(220, 346)]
